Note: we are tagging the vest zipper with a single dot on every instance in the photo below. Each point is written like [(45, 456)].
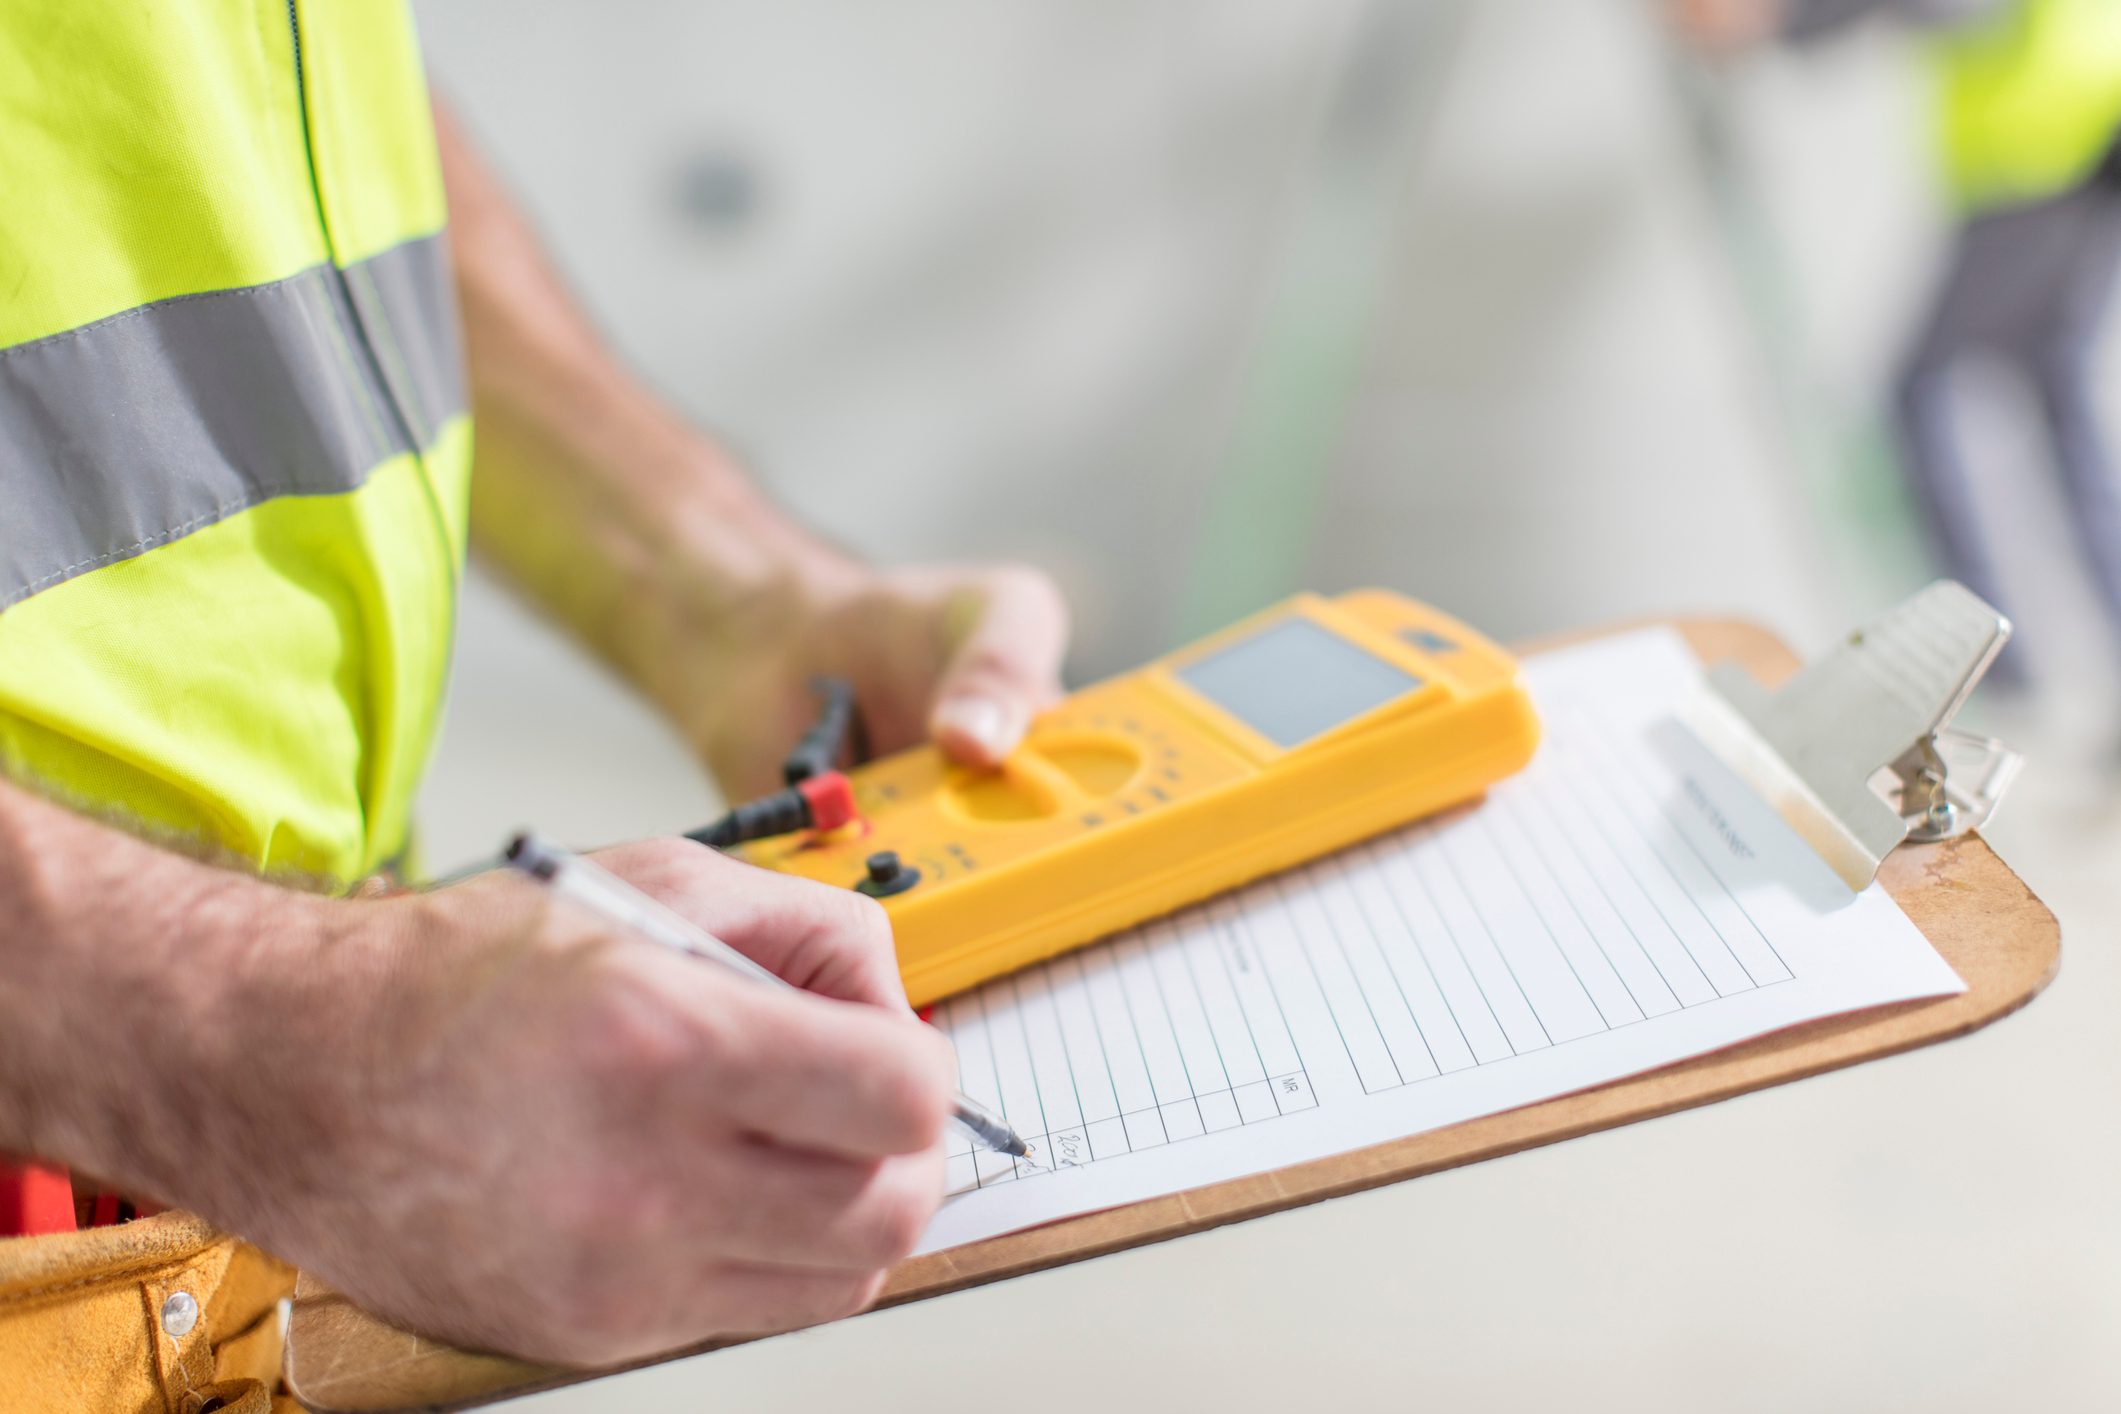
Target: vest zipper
[(365, 341), (437, 520)]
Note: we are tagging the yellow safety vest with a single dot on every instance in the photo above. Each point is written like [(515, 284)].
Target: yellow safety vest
[(234, 461), (2029, 99), (234, 448)]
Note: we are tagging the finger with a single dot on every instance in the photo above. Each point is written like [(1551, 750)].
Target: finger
[(1004, 669), (827, 940), (741, 1299), (785, 1207), (812, 1073)]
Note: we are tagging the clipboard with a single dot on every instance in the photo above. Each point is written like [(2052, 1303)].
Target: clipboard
[(1979, 916)]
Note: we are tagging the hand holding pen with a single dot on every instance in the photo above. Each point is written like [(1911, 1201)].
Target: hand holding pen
[(545, 1137), (620, 904)]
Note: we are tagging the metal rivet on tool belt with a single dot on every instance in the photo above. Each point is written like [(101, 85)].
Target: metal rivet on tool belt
[(179, 1314)]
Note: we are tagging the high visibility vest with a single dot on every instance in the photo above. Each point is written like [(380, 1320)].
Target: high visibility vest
[(2029, 99), (234, 447)]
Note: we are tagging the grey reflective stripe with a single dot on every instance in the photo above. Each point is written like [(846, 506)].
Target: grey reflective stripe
[(409, 303), (131, 432)]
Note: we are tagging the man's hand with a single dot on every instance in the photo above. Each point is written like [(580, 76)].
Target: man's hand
[(477, 1112), (574, 1146), (965, 656)]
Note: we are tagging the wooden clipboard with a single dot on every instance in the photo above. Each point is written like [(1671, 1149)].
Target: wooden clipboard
[(1979, 915)]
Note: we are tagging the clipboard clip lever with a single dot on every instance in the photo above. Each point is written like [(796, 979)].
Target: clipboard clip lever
[(1856, 751)]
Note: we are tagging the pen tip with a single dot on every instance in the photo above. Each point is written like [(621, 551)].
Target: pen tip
[(1018, 1149)]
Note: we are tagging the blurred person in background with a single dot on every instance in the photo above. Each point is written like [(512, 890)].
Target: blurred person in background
[(2028, 100)]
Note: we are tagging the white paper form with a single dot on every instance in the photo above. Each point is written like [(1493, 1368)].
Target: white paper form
[(1622, 904)]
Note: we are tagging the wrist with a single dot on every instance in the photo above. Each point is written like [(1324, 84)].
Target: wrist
[(282, 1049), (306, 1069), (736, 583)]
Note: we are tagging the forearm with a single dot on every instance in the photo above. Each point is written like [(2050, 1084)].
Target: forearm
[(146, 1001), (592, 495)]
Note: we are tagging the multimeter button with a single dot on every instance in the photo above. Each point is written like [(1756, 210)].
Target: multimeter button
[(1099, 765), (887, 876)]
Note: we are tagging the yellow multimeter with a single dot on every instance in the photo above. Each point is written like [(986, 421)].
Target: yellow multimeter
[(1305, 728)]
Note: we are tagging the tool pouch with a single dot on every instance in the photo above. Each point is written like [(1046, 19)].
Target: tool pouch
[(161, 1315)]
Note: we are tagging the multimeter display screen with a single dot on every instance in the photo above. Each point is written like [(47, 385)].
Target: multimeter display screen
[(1293, 680)]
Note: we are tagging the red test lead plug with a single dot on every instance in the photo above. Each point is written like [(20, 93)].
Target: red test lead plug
[(817, 796), (824, 801)]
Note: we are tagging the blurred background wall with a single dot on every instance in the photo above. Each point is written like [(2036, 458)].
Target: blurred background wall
[(1507, 304)]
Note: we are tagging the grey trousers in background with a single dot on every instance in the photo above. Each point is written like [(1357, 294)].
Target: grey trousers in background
[(2026, 286)]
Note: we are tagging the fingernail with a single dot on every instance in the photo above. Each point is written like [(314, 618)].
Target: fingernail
[(981, 721)]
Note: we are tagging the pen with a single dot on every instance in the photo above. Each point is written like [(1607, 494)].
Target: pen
[(621, 904)]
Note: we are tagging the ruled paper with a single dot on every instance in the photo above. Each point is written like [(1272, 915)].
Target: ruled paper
[(1622, 904)]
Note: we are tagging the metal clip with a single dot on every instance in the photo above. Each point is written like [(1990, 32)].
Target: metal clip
[(1854, 751)]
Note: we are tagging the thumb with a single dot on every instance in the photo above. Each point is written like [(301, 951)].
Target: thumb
[(1005, 667)]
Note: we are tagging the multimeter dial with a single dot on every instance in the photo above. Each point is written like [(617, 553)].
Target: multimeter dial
[(1054, 772), (999, 797), (1098, 764)]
